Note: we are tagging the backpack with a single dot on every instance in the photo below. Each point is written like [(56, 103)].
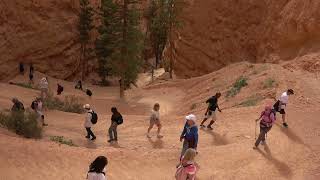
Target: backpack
[(89, 93), (34, 105), (269, 122), (94, 117), (119, 120)]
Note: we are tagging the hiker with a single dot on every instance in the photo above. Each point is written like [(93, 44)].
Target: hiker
[(116, 119), (17, 106), (155, 120), (281, 104), (267, 118), (31, 74), (79, 85), (187, 168), (211, 110), (88, 122), (37, 106), (89, 92), (59, 89), (21, 68), (189, 134), (97, 169), (44, 87)]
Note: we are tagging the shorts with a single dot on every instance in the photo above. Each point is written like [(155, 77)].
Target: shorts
[(211, 114), (155, 122), (277, 108)]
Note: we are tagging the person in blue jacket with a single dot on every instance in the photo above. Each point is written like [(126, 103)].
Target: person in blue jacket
[(189, 135)]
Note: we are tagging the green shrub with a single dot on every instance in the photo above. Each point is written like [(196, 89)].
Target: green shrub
[(251, 101), (70, 104), (269, 83), (22, 123), (193, 106), (237, 86), (25, 85), (62, 140)]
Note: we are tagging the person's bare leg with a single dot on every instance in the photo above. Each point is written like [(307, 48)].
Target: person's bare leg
[(149, 129), (159, 130), (203, 121), (284, 118)]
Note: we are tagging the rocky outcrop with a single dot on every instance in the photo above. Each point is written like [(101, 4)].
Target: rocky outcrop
[(42, 32), (217, 33)]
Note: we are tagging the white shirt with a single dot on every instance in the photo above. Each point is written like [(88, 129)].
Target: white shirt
[(87, 121), (284, 98), (95, 176), (155, 115)]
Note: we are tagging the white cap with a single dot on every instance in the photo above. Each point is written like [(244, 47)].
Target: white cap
[(86, 106), (191, 117)]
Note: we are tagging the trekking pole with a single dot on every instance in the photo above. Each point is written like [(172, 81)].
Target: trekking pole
[(255, 131)]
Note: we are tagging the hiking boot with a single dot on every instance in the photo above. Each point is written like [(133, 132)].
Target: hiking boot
[(88, 137), (285, 125), (210, 128), (44, 124), (202, 126), (93, 138), (110, 140)]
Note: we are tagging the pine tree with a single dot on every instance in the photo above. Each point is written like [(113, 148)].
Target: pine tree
[(120, 43), (175, 8), (158, 27), (85, 26)]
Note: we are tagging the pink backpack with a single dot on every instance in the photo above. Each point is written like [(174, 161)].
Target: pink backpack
[(268, 118), (187, 172)]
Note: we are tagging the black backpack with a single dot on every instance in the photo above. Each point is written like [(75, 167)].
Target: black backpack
[(89, 93), (34, 104), (94, 117), (119, 120)]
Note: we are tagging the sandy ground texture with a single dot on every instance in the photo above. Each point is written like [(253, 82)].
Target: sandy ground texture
[(224, 153)]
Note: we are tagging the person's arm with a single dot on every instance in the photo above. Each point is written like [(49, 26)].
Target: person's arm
[(260, 116), (183, 132), (219, 108)]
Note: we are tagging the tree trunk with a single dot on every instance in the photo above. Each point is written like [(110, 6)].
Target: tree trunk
[(82, 62), (121, 82)]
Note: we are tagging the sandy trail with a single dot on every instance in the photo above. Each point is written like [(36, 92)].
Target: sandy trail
[(225, 153)]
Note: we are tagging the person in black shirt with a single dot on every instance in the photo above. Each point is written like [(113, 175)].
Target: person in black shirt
[(79, 85), (31, 73), (116, 119), (59, 89), (17, 106), (21, 68), (211, 110)]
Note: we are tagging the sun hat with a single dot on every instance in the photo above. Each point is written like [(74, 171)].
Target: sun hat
[(191, 117)]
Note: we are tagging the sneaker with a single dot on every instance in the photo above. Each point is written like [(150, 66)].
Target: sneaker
[(159, 136), (88, 137), (210, 128), (285, 125), (93, 138), (110, 140), (44, 124), (255, 147), (202, 126)]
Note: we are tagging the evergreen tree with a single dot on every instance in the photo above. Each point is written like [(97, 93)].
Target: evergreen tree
[(120, 43), (85, 26)]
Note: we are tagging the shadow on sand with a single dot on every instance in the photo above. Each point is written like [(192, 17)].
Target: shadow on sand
[(292, 135), (156, 144), (218, 140), (90, 144), (115, 145), (282, 167)]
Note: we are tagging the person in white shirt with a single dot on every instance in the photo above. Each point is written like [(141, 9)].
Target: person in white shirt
[(44, 87), (97, 169), (87, 123), (281, 104), (155, 120)]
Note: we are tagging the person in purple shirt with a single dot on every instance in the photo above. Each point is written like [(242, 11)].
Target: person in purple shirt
[(189, 135)]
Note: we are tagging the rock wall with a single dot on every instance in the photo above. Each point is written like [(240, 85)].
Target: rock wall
[(217, 33)]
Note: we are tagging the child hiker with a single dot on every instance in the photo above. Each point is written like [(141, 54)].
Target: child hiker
[(189, 135), (281, 104), (187, 169), (155, 120), (211, 110), (267, 118)]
